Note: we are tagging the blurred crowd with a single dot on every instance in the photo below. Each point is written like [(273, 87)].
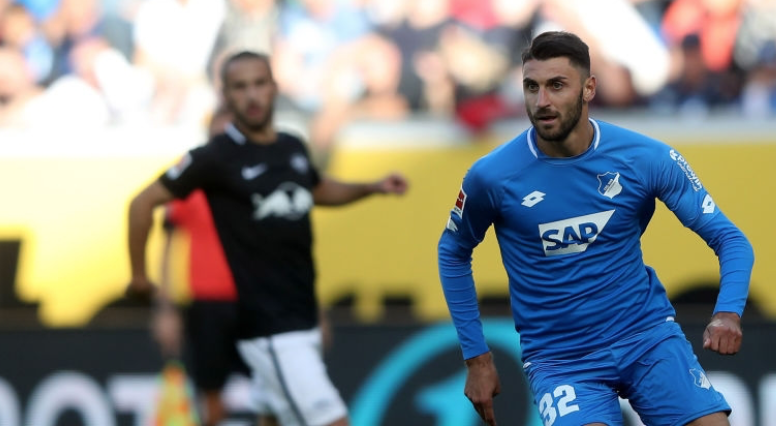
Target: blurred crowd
[(154, 62)]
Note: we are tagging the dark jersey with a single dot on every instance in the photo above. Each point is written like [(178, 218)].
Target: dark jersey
[(260, 197)]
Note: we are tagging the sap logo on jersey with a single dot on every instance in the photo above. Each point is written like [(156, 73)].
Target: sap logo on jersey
[(572, 235), (289, 201)]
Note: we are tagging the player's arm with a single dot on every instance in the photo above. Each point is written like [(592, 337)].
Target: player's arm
[(141, 220), (192, 171), (333, 192), (682, 192), (736, 258), (469, 219), (165, 283), (166, 325)]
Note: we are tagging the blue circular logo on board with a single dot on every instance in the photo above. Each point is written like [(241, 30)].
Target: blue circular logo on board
[(444, 400)]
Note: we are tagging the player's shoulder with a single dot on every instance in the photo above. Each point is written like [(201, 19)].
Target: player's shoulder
[(212, 151), (614, 137), (505, 159), (291, 138), (609, 132)]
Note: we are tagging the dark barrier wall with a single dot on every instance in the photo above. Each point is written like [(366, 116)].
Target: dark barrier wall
[(389, 375)]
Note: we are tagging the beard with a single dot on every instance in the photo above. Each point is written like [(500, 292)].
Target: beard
[(251, 123), (567, 122)]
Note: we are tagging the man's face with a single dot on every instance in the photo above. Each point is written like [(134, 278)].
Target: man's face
[(554, 97), (249, 92)]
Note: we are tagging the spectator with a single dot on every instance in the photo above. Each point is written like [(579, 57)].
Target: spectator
[(332, 67), (375, 62), (119, 18), (698, 89), (17, 88), (755, 52), (173, 41), (313, 33), (247, 25), (103, 89), (485, 33), (41, 10), (759, 93), (72, 22), (416, 28), (633, 67), (20, 31), (714, 22)]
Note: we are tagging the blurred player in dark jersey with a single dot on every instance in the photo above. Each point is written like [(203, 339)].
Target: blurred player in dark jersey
[(569, 199), (260, 186), (210, 325)]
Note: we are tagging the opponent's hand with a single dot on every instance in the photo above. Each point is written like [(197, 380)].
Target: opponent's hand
[(723, 334), (482, 384), (394, 183), (140, 290)]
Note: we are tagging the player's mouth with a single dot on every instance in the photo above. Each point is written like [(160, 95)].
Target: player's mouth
[(254, 110), (546, 119)]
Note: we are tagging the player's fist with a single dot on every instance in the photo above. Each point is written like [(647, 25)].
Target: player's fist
[(723, 334), (140, 290), (394, 183)]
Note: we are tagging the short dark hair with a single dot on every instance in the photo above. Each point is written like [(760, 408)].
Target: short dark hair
[(559, 44), (245, 54)]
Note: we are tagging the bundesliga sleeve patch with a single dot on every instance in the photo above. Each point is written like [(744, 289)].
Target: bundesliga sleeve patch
[(460, 203), (175, 171)]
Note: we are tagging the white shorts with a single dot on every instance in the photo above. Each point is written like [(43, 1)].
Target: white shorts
[(289, 374)]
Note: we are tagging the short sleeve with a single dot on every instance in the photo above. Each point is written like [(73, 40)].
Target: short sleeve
[(193, 170)]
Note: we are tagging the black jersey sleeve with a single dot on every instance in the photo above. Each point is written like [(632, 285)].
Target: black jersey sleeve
[(194, 170)]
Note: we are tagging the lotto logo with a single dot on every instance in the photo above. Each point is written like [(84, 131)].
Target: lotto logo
[(572, 235)]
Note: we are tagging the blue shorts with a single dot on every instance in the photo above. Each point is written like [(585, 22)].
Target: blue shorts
[(656, 371)]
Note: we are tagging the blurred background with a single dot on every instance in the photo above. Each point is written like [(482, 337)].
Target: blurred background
[(98, 97)]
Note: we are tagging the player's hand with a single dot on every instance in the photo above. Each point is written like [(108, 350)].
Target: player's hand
[(166, 329), (394, 183), (482, 384), (723, 334), (140, 290)]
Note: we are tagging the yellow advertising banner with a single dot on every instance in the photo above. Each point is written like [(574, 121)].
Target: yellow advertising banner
[(68, 209)]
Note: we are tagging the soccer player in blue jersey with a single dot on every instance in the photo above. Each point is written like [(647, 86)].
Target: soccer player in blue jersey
[(569, 199)]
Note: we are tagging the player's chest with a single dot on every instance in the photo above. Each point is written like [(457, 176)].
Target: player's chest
[(261, 174), (582, 197)]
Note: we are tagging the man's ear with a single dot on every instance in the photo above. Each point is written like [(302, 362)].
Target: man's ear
[(588, 93)]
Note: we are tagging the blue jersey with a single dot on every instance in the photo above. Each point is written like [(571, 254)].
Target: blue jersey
[(569, 233)]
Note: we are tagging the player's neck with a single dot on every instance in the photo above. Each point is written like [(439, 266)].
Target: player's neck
[(576, 143), (264, 135)]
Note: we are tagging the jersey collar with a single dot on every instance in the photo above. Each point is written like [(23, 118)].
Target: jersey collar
[(535, 150), (234, 134)]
